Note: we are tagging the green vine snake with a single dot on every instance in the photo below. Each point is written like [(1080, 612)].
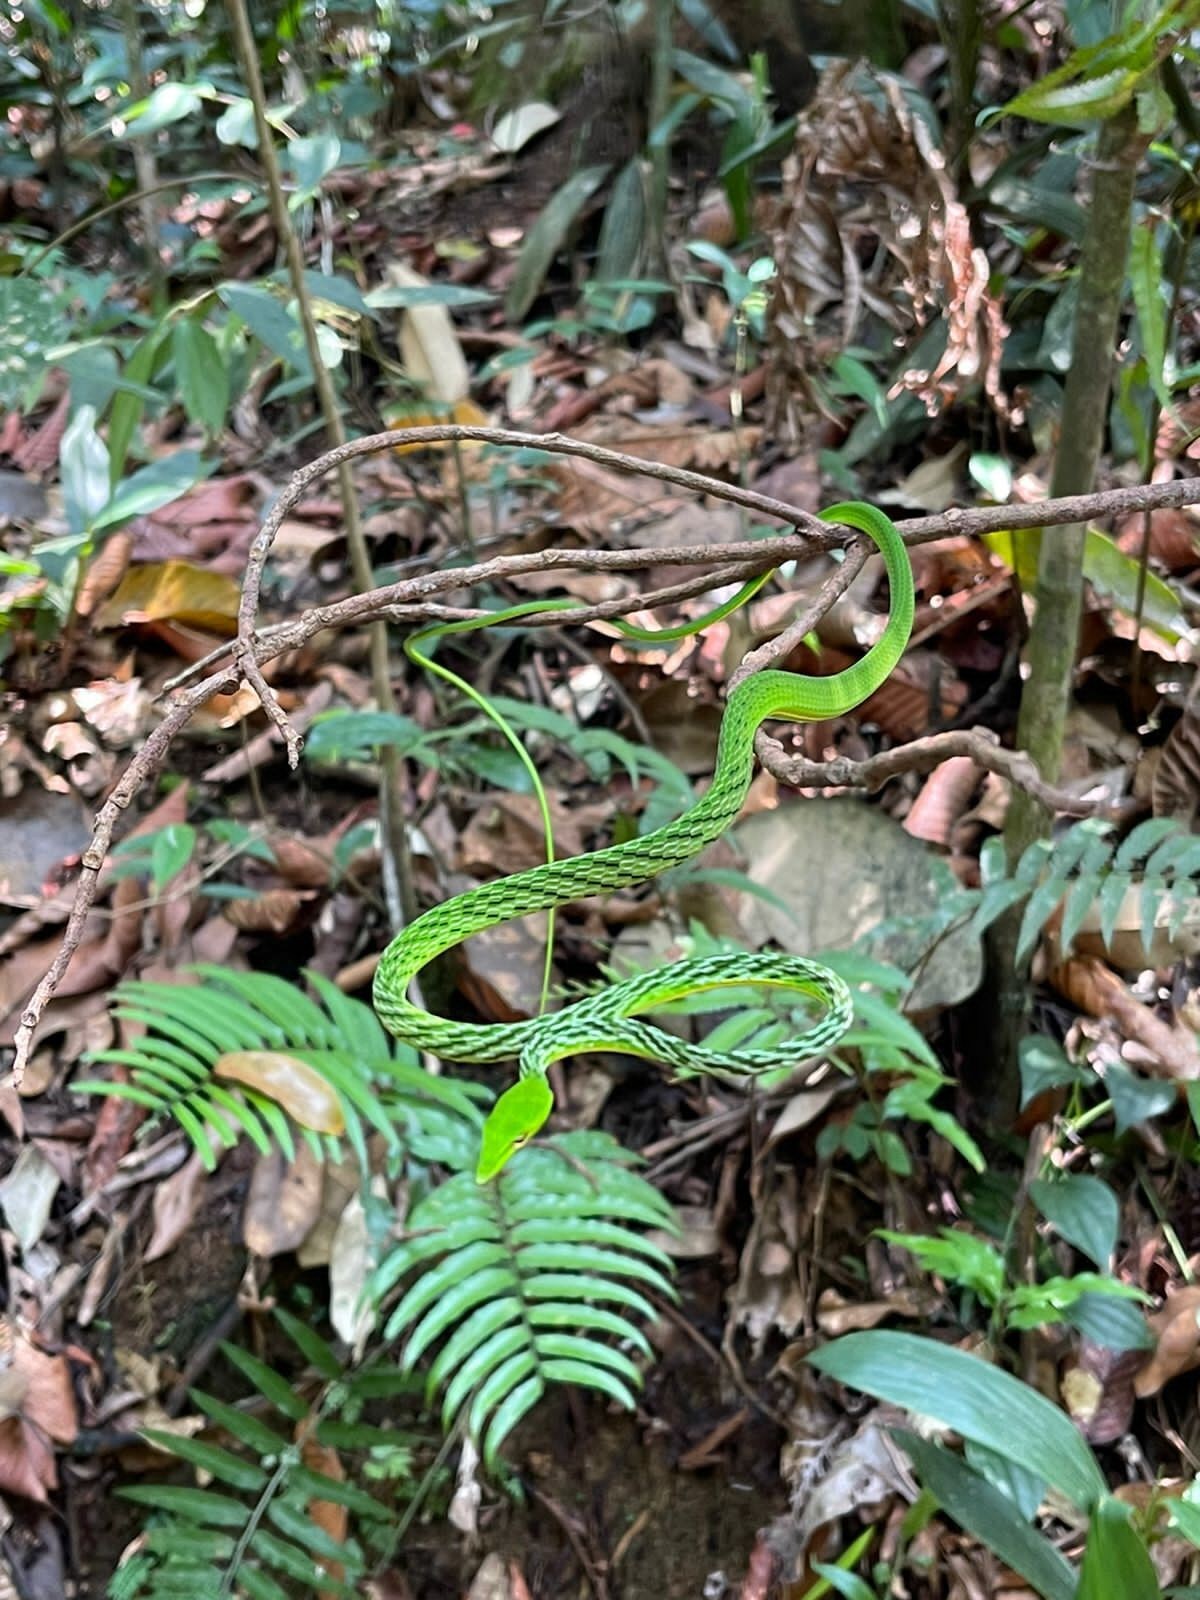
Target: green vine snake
[(609, 1020)]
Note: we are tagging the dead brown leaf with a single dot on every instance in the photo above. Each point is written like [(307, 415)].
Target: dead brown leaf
[(944, 797), (1177, 1328), (37, 1410), (283, 1203), (274, 911), (176, 1200), (506, 835), (104, 573), (501, 970)]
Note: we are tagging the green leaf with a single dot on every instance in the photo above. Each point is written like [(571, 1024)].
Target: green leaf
[(1114, 1324), (547, 236), (156, 485), (312, 160), (246, 1429), (978, 1401), (988, 1514), (269, 321), (84, 467), (210, 1458), (236, 125), (1137, 1099), (961, 1257), (171, 852), (268, 1382), (311, 1345), (1084, 1210), (1115, 574), (170, 102), (197, 1505), (202, 374), (1116, 1564), (1045, 1065)]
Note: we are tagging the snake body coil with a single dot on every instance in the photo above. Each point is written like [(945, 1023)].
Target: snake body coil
[(608, 1020)]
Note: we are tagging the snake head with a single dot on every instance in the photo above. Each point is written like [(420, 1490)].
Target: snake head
[(511, 1123)]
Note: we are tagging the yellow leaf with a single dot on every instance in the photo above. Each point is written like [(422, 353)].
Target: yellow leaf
[(293, 1084), (463, 412), (173, 591)]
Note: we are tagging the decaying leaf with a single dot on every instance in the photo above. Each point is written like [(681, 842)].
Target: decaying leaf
[(37, 1411), (173, 591), (300, 1089), (867, 184), (284, 1202), (1177, 1328)]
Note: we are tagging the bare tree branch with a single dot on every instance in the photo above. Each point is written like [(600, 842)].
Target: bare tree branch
[(734, 562)]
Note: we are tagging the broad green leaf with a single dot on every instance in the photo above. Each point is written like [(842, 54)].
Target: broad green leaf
[(1107, 567), (156, 485), (1114, 1324), (988, 1514), (1083, 1209), (202, 374), (311, 159), (84, 467), (1116, 1564), (547, 236), (979, 1401), (172, 850), (1022, 1488), (270, 322), (1137, 1099), (993, 474), (170, 102), (236, 125)]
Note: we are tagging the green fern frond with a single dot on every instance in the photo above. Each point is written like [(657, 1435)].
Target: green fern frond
[(251, 1528), (378, 1082), (1085, 866), (526, 1279)]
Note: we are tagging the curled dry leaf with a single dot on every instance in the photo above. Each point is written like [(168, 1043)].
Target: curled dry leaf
[(291, 1083), (944, 797), (274, 911), (1177, 1329), (1093, 988), (104, 573), (836, 1315), (284, 1202)]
